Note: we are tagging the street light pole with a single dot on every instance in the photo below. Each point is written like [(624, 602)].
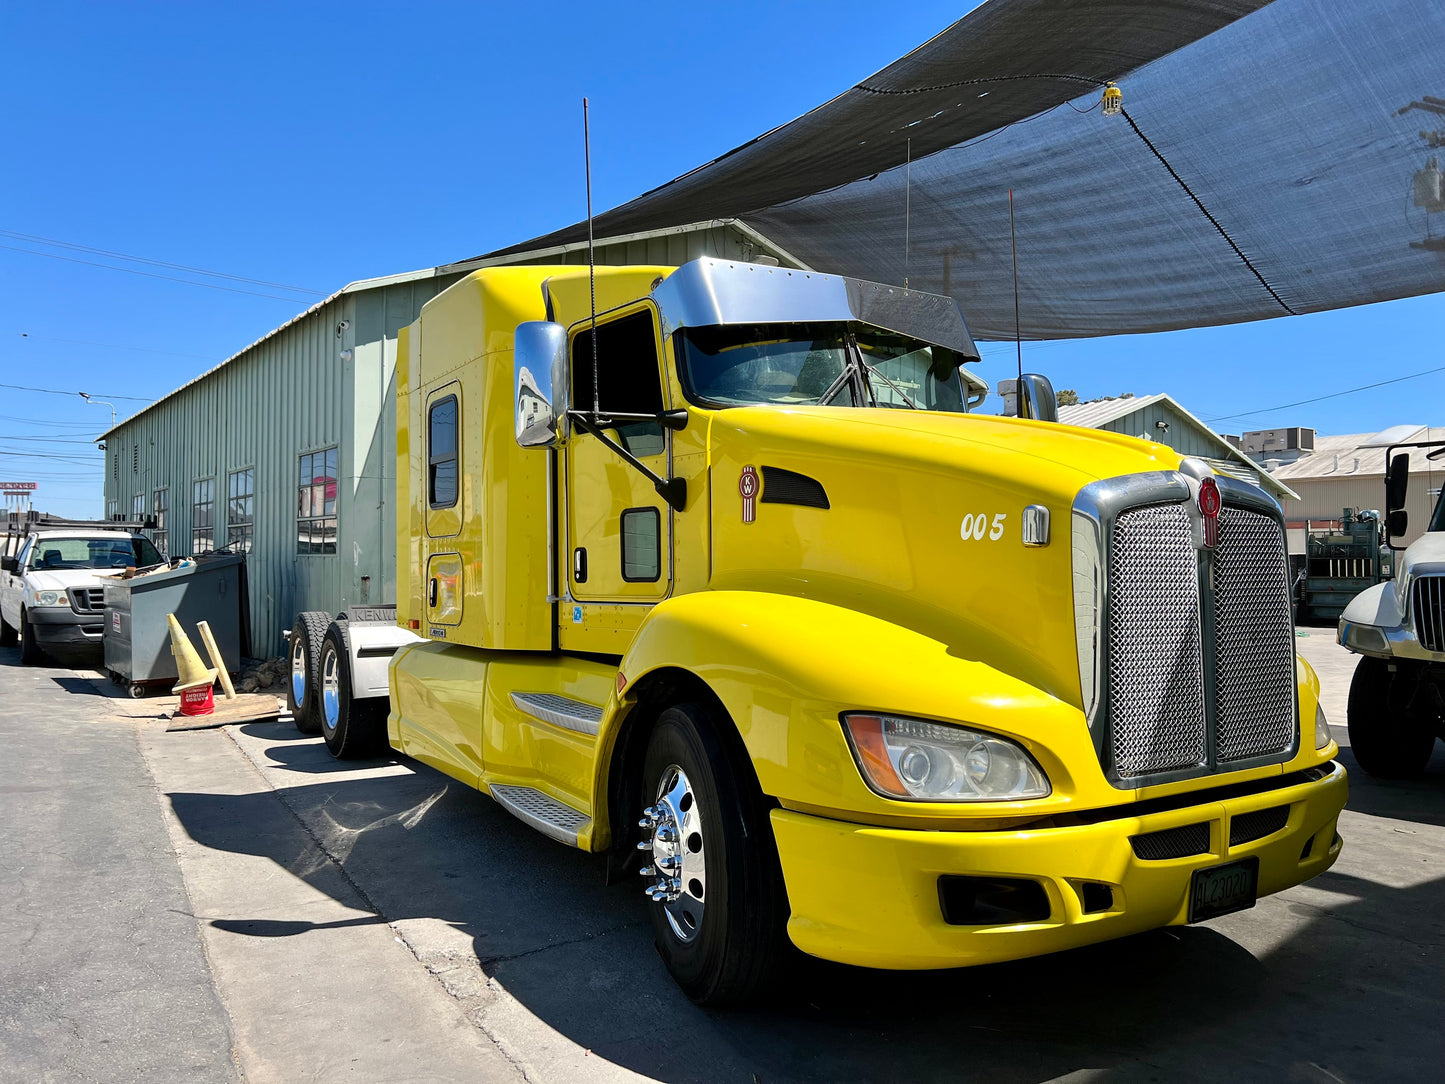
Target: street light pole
[(99, 402)]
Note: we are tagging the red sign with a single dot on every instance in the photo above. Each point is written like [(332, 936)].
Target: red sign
[(18, 487)]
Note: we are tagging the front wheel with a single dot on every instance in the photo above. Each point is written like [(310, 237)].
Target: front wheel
[(1388, 739), (719, 908), (8, 636), (30, 653), (352, 728)]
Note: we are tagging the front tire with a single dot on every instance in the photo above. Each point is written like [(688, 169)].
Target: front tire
[(352, 728), (1388, 739), (301, 694), (719, 908), (8, 635), (30, 653)]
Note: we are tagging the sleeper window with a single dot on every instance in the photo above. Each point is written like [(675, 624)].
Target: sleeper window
[(442, 450)]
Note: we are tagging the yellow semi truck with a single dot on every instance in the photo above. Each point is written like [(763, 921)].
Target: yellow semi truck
[(718, 574)]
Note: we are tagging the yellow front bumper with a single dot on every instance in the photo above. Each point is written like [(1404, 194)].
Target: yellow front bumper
[(870, 896)]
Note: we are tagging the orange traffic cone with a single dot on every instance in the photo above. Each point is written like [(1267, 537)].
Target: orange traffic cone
[(195, 679)]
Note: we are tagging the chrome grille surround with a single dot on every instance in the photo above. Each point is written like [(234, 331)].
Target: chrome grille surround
[(1427, 609), (1164, 703)]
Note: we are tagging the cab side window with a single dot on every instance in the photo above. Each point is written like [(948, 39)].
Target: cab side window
[(442, 453), (628, 380)]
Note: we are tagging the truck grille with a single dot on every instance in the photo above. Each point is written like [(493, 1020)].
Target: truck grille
[(86, 600), (1427, 603), (1197, 683)]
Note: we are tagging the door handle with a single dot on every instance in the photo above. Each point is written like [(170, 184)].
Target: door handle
[(431, 592), (579, 565)]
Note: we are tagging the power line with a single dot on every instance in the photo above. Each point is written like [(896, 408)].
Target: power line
[(35, 239), (148, 274), (58, 456), (97, 394), (1321, 398), (47, 440)]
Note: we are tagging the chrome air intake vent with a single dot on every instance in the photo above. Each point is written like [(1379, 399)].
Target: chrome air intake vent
[(1186, 650)]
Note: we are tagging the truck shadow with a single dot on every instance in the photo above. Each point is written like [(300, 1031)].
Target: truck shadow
[(1348, 981)]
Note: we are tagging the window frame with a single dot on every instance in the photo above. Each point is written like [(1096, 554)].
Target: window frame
[(455, 456), (161, 532), (210, 528), (622, 543), (249, 523), (334, 517)]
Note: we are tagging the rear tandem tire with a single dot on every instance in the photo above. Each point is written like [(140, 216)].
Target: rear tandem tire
[(1388, 740), (738, 944), (301, 691), (351, 728)]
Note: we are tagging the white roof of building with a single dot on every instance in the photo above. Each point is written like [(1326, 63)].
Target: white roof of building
[(1362, 455)]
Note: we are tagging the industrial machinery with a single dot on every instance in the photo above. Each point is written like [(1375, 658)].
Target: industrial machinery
[(1340, 562), (711, 570)]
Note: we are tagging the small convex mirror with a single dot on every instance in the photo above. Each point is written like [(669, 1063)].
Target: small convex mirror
[(539, 365)]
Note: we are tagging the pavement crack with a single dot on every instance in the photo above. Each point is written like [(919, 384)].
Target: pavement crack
[(487, 961)]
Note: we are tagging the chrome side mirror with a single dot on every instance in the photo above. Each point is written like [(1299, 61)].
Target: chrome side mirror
[(542, 380), (1031, 396)]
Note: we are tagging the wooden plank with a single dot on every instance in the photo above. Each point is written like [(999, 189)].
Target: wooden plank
[(246, 708)]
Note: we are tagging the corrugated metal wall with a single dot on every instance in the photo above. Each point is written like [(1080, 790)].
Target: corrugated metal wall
[(1181, 434), (1326, 498), (290, 394)]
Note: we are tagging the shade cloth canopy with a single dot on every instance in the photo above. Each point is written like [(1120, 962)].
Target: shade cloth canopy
[(1270, 158)]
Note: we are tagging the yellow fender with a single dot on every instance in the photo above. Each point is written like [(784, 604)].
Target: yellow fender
[(784, 668)]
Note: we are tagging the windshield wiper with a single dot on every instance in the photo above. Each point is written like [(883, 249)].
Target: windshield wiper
[(874, 369)]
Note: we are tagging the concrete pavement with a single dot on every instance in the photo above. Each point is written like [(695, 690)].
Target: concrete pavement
[(385, 892)]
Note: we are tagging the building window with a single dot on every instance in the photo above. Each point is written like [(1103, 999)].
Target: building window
[(203, 510), (138, 508), (240, 510), (160, 536), (316, 503), (442, 438)]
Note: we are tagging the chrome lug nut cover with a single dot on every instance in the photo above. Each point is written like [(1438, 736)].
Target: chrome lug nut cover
[(679, 867)]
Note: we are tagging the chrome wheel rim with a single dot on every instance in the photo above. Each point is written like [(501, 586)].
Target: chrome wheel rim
[(330, 690), (678, 870), (298, 672)]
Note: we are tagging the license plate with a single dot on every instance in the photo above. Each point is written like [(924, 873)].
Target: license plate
[(1222, 890)]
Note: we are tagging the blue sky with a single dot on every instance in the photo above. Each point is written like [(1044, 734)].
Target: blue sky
[(314, 144)]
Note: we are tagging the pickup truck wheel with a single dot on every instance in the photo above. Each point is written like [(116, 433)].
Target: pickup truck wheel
[(30, 653), (351, 728), (8, 637), (301, 696), (718, 904), (1388, 740)]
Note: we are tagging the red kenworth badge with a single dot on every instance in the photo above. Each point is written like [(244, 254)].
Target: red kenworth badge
[(748, 487), (1209, 502)]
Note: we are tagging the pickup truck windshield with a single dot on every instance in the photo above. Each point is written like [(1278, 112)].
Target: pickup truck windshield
[(818, 364), (1437, 521), (64, 554)]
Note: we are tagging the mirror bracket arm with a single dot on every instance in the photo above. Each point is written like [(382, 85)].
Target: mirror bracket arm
[(672, 490)]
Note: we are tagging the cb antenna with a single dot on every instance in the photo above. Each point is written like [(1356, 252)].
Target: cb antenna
[(591, 256), (1014, 245)]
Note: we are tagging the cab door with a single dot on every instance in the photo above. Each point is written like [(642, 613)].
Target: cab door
[(619, 530)]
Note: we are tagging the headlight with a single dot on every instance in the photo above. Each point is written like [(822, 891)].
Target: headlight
[(931, 762), (51, 598), (1323, 737), (1365, 639)]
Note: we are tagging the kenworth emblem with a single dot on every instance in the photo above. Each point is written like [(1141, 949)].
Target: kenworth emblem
[(748, 488), (1209, 502)]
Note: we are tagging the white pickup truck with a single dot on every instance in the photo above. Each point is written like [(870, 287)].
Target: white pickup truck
[(51, 596), (1397, 698)]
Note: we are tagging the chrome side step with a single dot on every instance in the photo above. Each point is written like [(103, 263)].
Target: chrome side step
[(542, 812), (560, 711)]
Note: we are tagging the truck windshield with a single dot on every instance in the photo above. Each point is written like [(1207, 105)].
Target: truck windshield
[(818, 364), (63, 554), (1437, 521)]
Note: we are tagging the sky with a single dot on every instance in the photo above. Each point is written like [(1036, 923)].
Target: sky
[(302, 146)]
